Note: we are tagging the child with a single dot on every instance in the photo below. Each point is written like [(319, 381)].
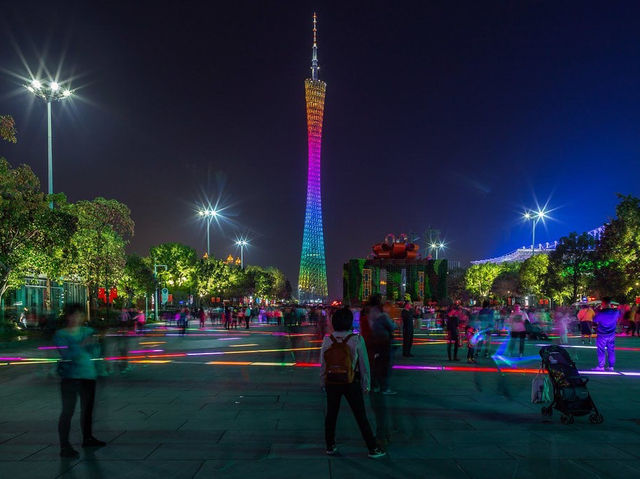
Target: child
[(472, 339)]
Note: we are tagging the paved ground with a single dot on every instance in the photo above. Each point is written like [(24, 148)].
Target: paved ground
[(178, 416)]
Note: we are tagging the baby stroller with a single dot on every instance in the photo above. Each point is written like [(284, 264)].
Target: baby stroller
[(534, 331), (570, 394)]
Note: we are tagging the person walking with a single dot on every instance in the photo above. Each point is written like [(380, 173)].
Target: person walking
[(407, 329), (76, 344), (518, 330), (606, 321), (344, 369)]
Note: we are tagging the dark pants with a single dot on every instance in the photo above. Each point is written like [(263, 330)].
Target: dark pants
[(407, 340), (453, 340), (70, 389), (514, 335), (380, 360), (353, 393)]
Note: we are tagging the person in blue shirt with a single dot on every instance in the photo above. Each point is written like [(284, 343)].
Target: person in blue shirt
[(606, 321), (77, 370)]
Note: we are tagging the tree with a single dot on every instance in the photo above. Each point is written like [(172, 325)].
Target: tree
[(8, 129), (30, 231), (137, 278), (506, 284), (533, 274), (618, 252), (571, 266), (97, 248), (215, 278), (181, 265), (480, 277)]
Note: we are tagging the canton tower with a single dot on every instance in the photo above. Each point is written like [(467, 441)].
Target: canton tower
[(312, 281)]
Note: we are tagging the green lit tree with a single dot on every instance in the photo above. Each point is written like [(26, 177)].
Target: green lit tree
[(533, 275), (618, 253), (479, 279), (181, 265), (571, 267), (32, 236), (137, 279)]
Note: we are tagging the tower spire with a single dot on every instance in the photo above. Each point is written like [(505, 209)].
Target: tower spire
[(314, 57)]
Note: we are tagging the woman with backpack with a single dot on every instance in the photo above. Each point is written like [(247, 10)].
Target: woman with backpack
[(344, 368)]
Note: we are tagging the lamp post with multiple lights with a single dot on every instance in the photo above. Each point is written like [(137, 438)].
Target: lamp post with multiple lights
[(242, 243), (49, 92), (534, 217), (437, 247), (209, 214)]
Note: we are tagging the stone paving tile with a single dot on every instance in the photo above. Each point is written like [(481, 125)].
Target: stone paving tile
[(191, 451), (195, 437), (32, 470), (347, 468), (17, 452), (612, 468), (266, 469), (133, 470), (558, 451)]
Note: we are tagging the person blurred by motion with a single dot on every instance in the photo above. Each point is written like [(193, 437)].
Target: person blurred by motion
[(585, 316), (486, 320), (517, 320), (344, 369), (407, 329), (606, 321), (76, 344), (381, 339)]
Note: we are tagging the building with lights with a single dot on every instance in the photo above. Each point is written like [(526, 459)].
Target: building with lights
[(396, 272), (312, 280)]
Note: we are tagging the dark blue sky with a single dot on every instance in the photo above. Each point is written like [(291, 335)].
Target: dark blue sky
[(451, 114)]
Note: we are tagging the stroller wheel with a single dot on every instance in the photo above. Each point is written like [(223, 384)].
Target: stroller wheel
[(596, 418), (566, 419), (546, 411)]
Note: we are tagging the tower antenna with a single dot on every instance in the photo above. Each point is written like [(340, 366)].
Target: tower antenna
[(314, 57)]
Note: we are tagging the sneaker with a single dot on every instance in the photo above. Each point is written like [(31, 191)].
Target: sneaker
[(332, 451), (610, 368), (93, 442), (68, 451), (599, 368), (376, 453), (389, 392)]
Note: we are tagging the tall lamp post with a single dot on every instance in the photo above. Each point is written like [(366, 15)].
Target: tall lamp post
[(155, 280), (49, 92), (209, 214), (534, 217), (437, 247), (242, 244)]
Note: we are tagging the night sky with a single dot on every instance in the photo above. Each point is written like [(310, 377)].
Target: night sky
[(456, 115)]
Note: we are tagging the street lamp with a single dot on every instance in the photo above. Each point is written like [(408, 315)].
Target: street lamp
[(437, 247), (209, 214), (155, 280), (534, 217), (49, 92), (242, 243)]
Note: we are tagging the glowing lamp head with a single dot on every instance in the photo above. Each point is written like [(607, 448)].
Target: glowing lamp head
[(527, 216), (441, 245), (433, 245), (541, 214), (36, 84), (66, 93), (54, 86)]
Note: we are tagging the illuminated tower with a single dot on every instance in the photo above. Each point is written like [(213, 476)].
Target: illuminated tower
[(312, 282)]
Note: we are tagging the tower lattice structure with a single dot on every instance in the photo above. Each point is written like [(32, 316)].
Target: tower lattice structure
[(312, 281)]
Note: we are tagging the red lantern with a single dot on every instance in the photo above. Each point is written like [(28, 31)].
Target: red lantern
[(113, 294), (102, 294)]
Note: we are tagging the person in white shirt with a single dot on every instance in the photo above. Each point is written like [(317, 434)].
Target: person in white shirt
[(518, 329), (350, 384)]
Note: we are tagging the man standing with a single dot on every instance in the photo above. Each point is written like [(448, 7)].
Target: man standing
[(407, 330), (486, 322), (606, 320)]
